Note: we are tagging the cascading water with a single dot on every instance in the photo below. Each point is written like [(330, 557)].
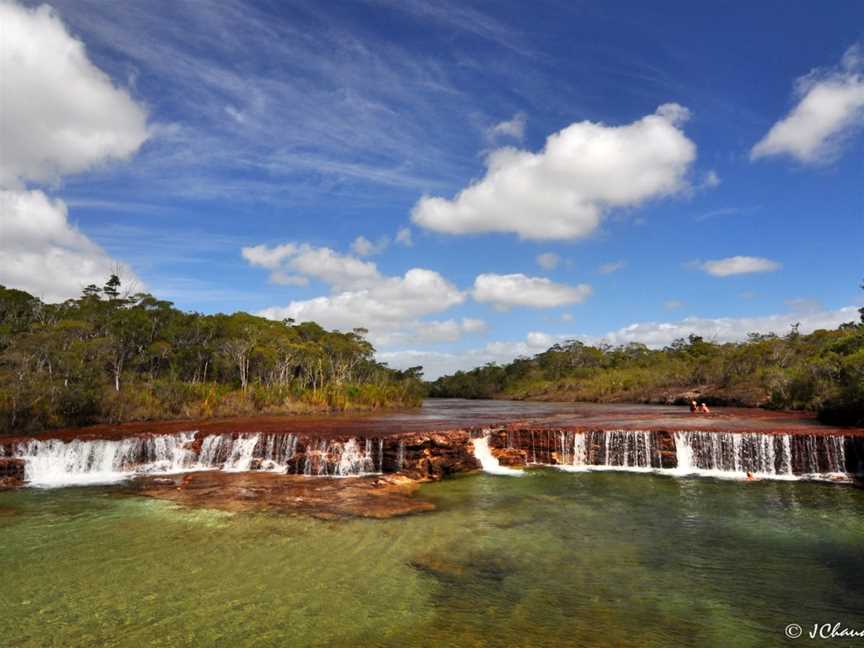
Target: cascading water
[(53, 462), (343, 459), (400, 456), (715, 454), (488, 461), (56, 463), (775, 456)]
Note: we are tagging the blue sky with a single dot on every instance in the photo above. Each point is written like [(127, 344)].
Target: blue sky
[(673, 199)]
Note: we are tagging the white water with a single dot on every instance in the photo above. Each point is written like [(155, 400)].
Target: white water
[(711, 454), (57, 463), (54, 463), (759, 456), (488, 461)]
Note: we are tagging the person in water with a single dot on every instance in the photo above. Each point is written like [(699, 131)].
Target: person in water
[(704, 408), (693, 407)]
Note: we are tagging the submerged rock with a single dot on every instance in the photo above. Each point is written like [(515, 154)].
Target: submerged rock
[(322, 497)]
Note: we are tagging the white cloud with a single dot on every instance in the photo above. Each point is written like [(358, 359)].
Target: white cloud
[(341, 271), (285, 279), (431, 332), (514, 128), (44, 254), (564, 191), (439, 363), (804, 305), (672, 304), (269, 257), (653, 334), (738, 265), (506, 291), (390, 307), (364, 247), (403, 237), (548, 260), (612, 266), (726, 329), (830, 108), (61, 114)]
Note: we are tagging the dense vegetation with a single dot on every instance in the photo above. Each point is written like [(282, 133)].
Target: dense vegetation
[(822, 371), (110, 356)]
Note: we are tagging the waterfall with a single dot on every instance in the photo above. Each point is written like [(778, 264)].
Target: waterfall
[(342, 458), (600, 450), (714, 454), (400, 457), (488, 461), (774, 456), (54, 462)]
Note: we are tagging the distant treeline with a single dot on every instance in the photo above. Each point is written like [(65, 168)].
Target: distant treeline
[(109, 356), (822, 372)]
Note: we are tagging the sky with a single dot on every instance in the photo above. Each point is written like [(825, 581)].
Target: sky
[(470, 182)]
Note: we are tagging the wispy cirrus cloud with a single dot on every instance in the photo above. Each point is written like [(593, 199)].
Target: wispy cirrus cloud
[(331, 118)]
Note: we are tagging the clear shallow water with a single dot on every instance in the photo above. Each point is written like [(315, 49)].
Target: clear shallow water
[(548, 559)]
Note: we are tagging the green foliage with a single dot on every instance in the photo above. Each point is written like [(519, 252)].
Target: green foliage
[(110, 356), (822, 371)]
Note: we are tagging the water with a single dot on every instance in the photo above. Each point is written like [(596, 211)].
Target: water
[(727, 455), (54, 463), (551, 559), (489, 463)]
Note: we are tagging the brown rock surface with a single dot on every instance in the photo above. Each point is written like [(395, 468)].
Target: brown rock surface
[(325, 498)]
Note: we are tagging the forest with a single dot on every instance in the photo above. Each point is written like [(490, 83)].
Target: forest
[(111, 356), (822, 372)]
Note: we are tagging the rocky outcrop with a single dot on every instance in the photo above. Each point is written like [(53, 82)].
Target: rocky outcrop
[(11, 472), (324, 498)]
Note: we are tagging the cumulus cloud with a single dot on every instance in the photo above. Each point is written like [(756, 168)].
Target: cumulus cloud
[(548, 260), (514, 128), (612, 266), (44, 254), (269, 257), (506, 291), (563, 191), (738, 265), (403, 237), (364, 247), (341, 271), (439, 363), (393, 309), (390, 307), (653, 334), (285, 279), (727, 329), (61, 114), (830, 109)]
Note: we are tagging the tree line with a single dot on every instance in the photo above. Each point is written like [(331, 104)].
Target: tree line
[(113, 356), (822, 371)]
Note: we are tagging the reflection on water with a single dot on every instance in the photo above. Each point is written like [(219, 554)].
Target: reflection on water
[(551, 559)]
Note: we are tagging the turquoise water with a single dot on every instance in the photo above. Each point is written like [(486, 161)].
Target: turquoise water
[(548, 559)]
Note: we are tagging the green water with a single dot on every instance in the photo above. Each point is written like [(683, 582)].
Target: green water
[(549, 559)]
